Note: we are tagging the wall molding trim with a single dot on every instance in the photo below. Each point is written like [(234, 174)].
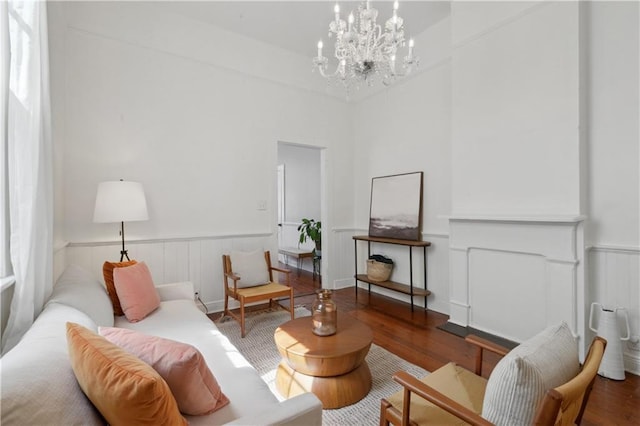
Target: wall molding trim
[(613, 248), (518, 218), (169, 239)]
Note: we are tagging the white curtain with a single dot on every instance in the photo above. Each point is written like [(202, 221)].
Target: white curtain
[(29, 159)]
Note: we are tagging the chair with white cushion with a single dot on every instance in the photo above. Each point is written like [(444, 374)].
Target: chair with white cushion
[(539, 382), (248, 278)]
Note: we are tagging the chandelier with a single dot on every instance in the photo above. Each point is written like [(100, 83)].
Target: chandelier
[(365, 53)]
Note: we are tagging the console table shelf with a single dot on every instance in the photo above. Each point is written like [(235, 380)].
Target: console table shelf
[(392, 285), (409, 289)]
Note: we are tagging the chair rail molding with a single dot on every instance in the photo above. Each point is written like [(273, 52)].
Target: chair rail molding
[(514, 275)]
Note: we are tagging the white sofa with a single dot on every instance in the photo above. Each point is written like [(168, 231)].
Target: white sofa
[(39, 386)]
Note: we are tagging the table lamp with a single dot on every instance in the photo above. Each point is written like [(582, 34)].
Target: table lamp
[(120, 201)]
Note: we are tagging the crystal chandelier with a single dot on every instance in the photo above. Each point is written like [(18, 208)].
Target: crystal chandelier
[(365, 53)]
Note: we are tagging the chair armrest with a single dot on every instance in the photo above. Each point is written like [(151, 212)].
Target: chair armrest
[(487, 344), (481, 345), (286, 271), (301, 410), (176, 291), (411, 384), (233, 276)]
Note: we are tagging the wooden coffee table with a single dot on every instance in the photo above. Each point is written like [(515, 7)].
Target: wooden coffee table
[(332, 367)]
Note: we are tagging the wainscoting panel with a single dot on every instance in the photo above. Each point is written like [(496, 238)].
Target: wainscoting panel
[(614, 281), (343, 254), (198, 260)]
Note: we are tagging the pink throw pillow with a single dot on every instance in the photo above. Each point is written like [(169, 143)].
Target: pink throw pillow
[(136, 292), (182, 366)]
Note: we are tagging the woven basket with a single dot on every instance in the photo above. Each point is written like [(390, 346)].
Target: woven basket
[(378, 271)]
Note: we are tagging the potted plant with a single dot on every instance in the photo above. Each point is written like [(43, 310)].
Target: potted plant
[(310, 229)]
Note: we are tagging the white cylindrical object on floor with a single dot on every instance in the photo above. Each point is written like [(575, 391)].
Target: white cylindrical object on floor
[(612, 364)]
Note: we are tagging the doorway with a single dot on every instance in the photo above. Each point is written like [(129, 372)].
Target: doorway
[(299, 196)]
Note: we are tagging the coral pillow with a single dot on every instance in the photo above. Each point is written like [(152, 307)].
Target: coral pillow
[(122, 387), (107, 273), (182, 366), (138, 296)]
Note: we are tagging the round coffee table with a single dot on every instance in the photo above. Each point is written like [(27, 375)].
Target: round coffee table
[(332, 367)]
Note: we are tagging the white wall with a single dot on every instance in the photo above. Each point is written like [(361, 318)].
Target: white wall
[(614, 148), (167, 101), (515, 96), (614, 162), (406, 128)]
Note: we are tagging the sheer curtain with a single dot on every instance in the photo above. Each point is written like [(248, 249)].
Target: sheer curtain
[(29, 161)]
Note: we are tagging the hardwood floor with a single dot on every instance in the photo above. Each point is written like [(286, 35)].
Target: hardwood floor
[(414, 337)]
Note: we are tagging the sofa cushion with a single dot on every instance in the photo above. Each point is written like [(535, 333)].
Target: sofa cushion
[(251, 267), (76, 287), (107, 273), (519, 381), (122, 387), (37, 379), (181, 365), (136, 292), (180, 320)]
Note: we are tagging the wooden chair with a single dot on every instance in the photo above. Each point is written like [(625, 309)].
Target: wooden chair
[(268, 291), (563, 405)]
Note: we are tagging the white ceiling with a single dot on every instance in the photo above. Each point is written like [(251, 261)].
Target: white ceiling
[(298, 25)]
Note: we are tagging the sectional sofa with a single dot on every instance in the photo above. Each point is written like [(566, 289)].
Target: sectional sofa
[(39, 385)]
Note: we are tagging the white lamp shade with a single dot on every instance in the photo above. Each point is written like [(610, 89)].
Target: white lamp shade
[(120, 201)]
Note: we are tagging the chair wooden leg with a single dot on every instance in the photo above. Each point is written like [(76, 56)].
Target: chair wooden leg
[(242, 318), (384, 421), (226, 304), (291, 304)]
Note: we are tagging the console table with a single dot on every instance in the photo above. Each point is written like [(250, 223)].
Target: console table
[(392, 285)]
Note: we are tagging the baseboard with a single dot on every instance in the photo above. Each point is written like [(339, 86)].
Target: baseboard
[(343, 283), (632, 363), (463, 332)]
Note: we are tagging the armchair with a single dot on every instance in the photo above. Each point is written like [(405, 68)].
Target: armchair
[(248, 278), (453, 395)]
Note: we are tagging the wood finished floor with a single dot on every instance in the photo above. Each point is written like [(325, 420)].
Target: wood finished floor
[(415, 337)]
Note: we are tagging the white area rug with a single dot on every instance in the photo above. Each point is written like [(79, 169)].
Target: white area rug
[(260, 350)]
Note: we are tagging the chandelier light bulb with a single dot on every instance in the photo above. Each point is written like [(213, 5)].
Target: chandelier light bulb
[(336, 10), (395, 6), (411, 42), (320, 49)]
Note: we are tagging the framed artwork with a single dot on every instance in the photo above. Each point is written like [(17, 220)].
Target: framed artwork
[(396, 207)]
